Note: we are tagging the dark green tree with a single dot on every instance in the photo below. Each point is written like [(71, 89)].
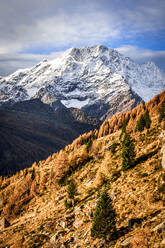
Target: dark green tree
[(33, 174), (162, 112), (128, 152), (104, 220), (147, 119), (123, 130), (143, 122), (140, 124), (71, 189), (89, 144), (26, 172)]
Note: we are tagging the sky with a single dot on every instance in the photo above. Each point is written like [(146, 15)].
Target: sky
[(31, 30)]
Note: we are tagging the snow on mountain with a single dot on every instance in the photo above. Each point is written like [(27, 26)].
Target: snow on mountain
[(84, 77)]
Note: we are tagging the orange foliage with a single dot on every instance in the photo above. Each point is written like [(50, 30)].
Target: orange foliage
[(116, 122), (61, 164), (82, 139)]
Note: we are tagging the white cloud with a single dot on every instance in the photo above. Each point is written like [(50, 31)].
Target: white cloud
[(62, 29), (28, 24), (48, 25)]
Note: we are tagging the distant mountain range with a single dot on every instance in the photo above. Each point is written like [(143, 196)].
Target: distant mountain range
[(97, 79), (31, 130)]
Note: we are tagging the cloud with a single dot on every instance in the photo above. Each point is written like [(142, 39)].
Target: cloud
[(25, 25), (24, 28), (43, 26), (141, 55)]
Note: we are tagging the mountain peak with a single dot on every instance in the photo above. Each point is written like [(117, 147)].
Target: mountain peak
[(85, 77)]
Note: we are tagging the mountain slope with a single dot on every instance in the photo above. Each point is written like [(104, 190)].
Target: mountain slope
[(85, 78), (40, 205), (31, 130)]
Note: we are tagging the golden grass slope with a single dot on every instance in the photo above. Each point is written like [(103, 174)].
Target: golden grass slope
[(34, 200)]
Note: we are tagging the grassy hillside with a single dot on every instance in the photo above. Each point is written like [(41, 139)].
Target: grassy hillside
[(67, 199)]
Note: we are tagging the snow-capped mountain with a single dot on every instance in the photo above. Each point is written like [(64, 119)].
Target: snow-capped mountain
[(97, 79)]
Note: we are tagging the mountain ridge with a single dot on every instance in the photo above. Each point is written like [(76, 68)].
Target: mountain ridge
[(83, 77), (31, 130)]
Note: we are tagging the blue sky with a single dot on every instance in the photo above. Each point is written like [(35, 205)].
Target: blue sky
[(34, 29)]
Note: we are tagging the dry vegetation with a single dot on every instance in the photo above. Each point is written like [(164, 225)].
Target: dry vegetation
[(35, 200)]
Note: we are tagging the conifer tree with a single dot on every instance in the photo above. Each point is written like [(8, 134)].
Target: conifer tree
[(147, 119), (71, 189), (123, 129), (88, 144), (162, 112), (104, 221), (143, 122), (140, 124), (128, 152), (33, 174)]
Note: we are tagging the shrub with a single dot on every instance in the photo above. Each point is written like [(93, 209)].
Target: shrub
[(68, 204), (104, 221), (115, 175), (161, 188), (128, 153)]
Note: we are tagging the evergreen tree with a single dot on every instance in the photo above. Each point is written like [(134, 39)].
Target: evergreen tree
[(71, 189), (123, 129), (140, 124), (162, 112), (143, 122), (33, 174), (104, 221), (147, 119), (128, 152), (26, 172), (89, 144)]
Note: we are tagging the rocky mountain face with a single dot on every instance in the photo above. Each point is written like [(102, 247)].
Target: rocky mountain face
[(97, 79), (31, 130), (61, 201)]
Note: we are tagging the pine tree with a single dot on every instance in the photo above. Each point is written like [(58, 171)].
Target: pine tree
[(143, 122), (33, 174), (26, 172), (123, 129), (89, 144), (128, 152), (140, 124), (162, 112), (147, 119), (71, 189), (104, 221)]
